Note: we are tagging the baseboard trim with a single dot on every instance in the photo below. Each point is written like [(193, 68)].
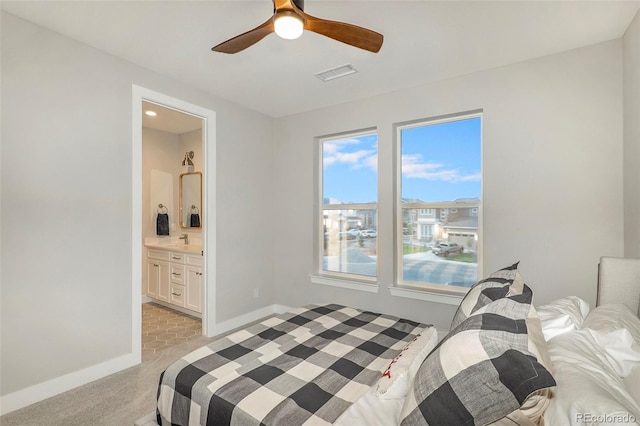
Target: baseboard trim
[(25, 397), (241, 320), (22, 398)]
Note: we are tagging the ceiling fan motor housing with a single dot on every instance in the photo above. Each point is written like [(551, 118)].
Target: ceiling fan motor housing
[(352, 35), (299, 4)]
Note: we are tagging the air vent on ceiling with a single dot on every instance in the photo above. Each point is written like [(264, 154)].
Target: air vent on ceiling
[(336, 72)]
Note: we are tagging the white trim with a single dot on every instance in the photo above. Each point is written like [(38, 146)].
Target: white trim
[(208, 117), (350, 206), (136, 224), (32, 394), (448, 299), (249, 317), (400, 206), (319, 207), (336, 282)]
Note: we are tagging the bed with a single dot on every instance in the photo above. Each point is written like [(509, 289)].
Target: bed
[(306, 366), (504, 362)]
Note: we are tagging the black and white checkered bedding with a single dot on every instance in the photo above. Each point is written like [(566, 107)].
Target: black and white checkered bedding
[(487, 368), (304, 367)]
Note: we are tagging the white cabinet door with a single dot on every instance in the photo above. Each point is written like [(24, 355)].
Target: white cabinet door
[(193, 286), (175, 278), (153, 270), (177, 295), (163, 280), (177, 274)]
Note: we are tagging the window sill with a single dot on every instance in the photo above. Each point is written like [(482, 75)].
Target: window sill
[(337, 282), (449, 299)]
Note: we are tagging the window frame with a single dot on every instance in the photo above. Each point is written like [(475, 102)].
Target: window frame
[(336, 278), (417, 289)]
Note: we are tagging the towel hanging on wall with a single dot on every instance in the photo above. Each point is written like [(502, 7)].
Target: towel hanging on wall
[(195, 217), (162, 221)]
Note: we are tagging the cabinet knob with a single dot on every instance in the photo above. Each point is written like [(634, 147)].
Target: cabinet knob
[(176, 274), (176, 294)]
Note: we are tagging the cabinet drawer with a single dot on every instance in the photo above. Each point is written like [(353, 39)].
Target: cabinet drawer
[(177, 274), (193, 260), (158, 254), (177, 257), (176, 295)]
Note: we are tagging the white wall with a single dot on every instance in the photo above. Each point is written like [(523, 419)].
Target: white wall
[(553, 141), (66, 204), (190, 141), (165, 151), (631, 46), (552, 176), (160, 151)]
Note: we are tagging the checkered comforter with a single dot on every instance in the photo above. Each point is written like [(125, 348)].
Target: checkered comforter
[(304, 367)]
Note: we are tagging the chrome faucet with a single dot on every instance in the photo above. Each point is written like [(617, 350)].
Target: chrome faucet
[(185, 237)]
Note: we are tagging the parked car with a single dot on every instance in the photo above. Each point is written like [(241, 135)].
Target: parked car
[(369, 233), (346, 235), (354, 232), (445, 249)]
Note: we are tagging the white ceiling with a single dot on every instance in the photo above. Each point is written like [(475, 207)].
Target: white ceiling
[(169, 120), (424, 41)]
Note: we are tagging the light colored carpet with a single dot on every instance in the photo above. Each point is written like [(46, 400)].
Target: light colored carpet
[(116, 400)]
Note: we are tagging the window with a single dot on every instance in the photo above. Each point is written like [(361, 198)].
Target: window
[(440, 173), (349, 191)]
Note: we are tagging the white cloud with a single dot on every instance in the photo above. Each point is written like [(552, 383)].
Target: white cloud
[(413, 166), (333, 152), (372, 162), (337, 145)]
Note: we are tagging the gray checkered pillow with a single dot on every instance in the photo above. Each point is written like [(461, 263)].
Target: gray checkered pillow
[(502, 283), (488, 368)]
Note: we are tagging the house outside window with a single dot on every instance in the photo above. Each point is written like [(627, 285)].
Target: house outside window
[(440, 173), (349, 190)]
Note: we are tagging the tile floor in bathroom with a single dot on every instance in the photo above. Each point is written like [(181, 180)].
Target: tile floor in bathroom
[(164, 328)]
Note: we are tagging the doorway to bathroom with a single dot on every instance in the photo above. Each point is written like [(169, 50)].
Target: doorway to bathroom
[(173, 265)]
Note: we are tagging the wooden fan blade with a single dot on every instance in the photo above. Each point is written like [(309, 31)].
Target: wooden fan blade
[(346, 33), (245, 40)]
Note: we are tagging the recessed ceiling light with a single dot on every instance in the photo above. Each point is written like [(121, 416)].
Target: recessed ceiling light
[(151, 113)]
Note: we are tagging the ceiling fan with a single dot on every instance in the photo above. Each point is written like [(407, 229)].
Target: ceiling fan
[(289, 21)]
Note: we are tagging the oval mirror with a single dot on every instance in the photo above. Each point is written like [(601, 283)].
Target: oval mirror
[(191, 200)]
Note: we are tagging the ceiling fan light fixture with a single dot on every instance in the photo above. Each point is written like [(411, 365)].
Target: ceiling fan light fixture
[(288, 25)]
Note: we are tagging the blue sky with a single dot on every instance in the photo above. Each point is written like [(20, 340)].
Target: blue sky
[(440, 162)]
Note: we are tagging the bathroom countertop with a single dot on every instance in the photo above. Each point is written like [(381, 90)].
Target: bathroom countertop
[(187, 248)]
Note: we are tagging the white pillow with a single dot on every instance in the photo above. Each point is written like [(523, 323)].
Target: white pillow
[(370, 410), (613, 316), (562, 315), (620, 349), (398, 377), (589, 390)]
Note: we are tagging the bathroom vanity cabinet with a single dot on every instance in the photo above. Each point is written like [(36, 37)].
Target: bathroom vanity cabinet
[(175, 277)]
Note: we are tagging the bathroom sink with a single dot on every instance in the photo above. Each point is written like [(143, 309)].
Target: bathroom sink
[(186, 247)]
